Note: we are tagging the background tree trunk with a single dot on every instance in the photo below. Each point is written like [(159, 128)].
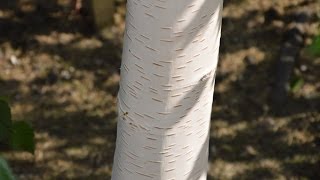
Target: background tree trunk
[(167, 80), (102, 11)]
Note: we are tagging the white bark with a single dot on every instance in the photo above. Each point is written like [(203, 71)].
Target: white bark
[(167, 80)]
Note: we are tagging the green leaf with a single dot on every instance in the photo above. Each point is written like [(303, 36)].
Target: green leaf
[(5, 121), (22, 138), (314, 48), (5, 171), (4, 98), (297, 84)]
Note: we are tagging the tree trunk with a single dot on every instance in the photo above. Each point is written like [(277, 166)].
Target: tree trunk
[(169, 60), (102, 12)]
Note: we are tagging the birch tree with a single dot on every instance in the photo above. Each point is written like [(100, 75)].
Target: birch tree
[(169, 60)]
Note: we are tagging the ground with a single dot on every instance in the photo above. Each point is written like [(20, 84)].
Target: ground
[(62, 77)]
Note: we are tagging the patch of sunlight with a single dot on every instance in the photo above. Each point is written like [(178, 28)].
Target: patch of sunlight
[(47, 142), (222, 128), (112, 80), (257, 21), (232, 170), (19, 110), (297, 137), (233, 10), (278, 123), (78, 152), (47, 147), (81, 95), (308, 91), (59, 166), (301, 158), (55, 38), (21, 156), (233, 62), (45, 156), (108, 33), (251, 150), (98, 141), (227, 170), (104, 170), (63, 2), (5, 14), (87, 43), (269, 164)]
